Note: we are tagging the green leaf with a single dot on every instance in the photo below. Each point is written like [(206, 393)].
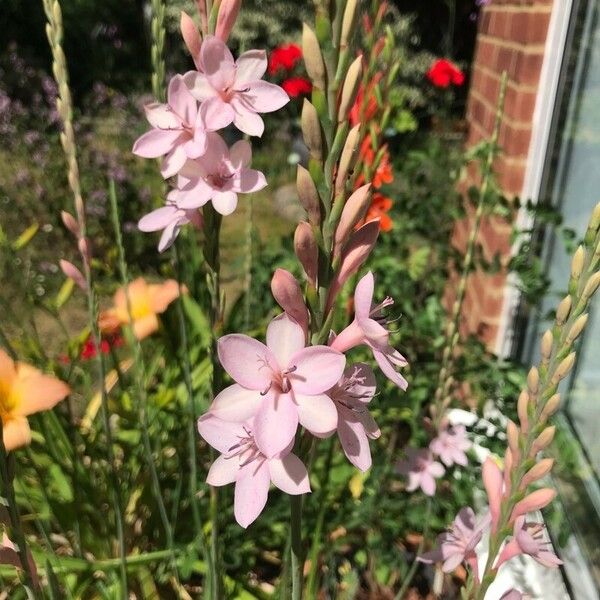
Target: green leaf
[(405, 122), (59, 485), (417, 262), (197, 318)]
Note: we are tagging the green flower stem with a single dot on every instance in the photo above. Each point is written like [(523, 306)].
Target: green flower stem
[(296, 546), (7, 496), (452, 330), (157, 27)]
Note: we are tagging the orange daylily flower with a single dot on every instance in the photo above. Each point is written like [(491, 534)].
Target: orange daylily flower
[(147, 300), (24, 390), (384, 173)]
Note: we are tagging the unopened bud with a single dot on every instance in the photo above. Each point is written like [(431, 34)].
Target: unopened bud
[(522, 410), (512, 435), (577, 262), (564, 368), (70, 223), (348, 22), (595, 220), (306, 250), (577, 328), (591, 286), (287, 293), (543, 440), (354, 210), (539, 470), (347, 158), (533, 380), (72, 272), (350, 89), (563, 310), (191, 37), (84, 248), (313, 59), (508, 465), (311, 130), (308, 195), (228, 12), (550, 407), (546, 345)]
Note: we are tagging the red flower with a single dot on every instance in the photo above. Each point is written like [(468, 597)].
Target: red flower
[(284, 57), (443, 73), (89, 347), (296, 86), (384, 173), (379, 208)]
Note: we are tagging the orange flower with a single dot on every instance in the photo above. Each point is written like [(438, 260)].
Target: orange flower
[(379, 208), (23, 391), (384, 173), (147, 301)]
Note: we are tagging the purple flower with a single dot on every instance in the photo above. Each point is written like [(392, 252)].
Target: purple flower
[(421, 470), (450, 445)]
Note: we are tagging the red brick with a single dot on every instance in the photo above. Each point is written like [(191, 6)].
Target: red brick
[(528, 68)]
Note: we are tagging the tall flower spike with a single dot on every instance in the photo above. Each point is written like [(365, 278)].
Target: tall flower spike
[(233, 91)]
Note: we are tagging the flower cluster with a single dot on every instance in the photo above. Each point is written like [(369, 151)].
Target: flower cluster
[(284, 384), (283, 61), (221, 91), (443, 73)]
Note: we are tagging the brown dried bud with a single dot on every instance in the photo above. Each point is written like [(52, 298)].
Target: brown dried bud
[(546, 345), (347, 158), (543, 440), (311, 130), (564, 310), (308, 195), (539, 470), (577, 262), (522, 406), (533, 380), (313, 58), (307, 251), (350, 88), (564, 368), (550, 408), (577, 328)]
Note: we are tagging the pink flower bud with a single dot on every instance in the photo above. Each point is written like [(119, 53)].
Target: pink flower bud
[(228, 12), (191, 37), (70, 223), (354, 210), (306, 250), (72, 272), (536, 472), (288, 294), (84, 247), (492, 481), (534, 501)]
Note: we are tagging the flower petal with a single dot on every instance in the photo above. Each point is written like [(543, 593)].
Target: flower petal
[(354, 440), (275, 423), (236, 403), (173, 162), (37, 391), (16, 433), (289, 474), (158, 219), (221, 435), (251, 492), (216, 114), (318, 369), (265, 97), (161, 116), (363, 296), (388, 369), (251, 180), (181, 101), (240, 154), (225, 202), (223, 471), (317, 413), (285, 337), (248, 361), (217, 63), (246, 119), (251, 66), (156, 142), (199, 86)]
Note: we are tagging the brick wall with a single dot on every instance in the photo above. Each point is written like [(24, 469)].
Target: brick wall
[(511, 37)]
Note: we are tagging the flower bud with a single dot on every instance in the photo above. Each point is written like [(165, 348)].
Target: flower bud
[(70, 223), (550, 407), (563, 310), (84, 247), (354, 210), (228, 12), (534, 501), (313, 59), (543, 440), (308, 195), (348, 22), (595, 220), (522, 408), (72, 272), (350, 89), (288, 295), (577, 262), (191, 37), (533, 380), (539, 470), (591, 286), (564, 368), (306, 250), (347, 158), (508, 465), (546, 345), (512, 435), (577, 328), (311, 130)]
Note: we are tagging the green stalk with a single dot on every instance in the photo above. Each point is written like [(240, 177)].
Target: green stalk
[(157, 27), (139, 370), (296, 546), (452, 333)]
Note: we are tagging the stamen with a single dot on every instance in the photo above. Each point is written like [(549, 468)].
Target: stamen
[(266, 391)]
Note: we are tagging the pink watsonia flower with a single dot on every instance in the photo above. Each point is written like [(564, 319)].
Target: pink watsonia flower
[(370, 327), (458, 544), (421, 470), (356, 426), (170, 218), (242, 462), (233, 91), (279, 384), (514, 594), (219, 176), (178, 129), (529, 538), (451, 444)]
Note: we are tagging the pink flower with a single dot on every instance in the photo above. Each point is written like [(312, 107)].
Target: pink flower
[(178, 131), (513, 595), (219, 176), (280, 384), (170, 219), (450, 445), (421, 470), (233, 91), (458, 544), (529, 538), (370, 327), (242, 462), (356, 426), (493, 481)]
